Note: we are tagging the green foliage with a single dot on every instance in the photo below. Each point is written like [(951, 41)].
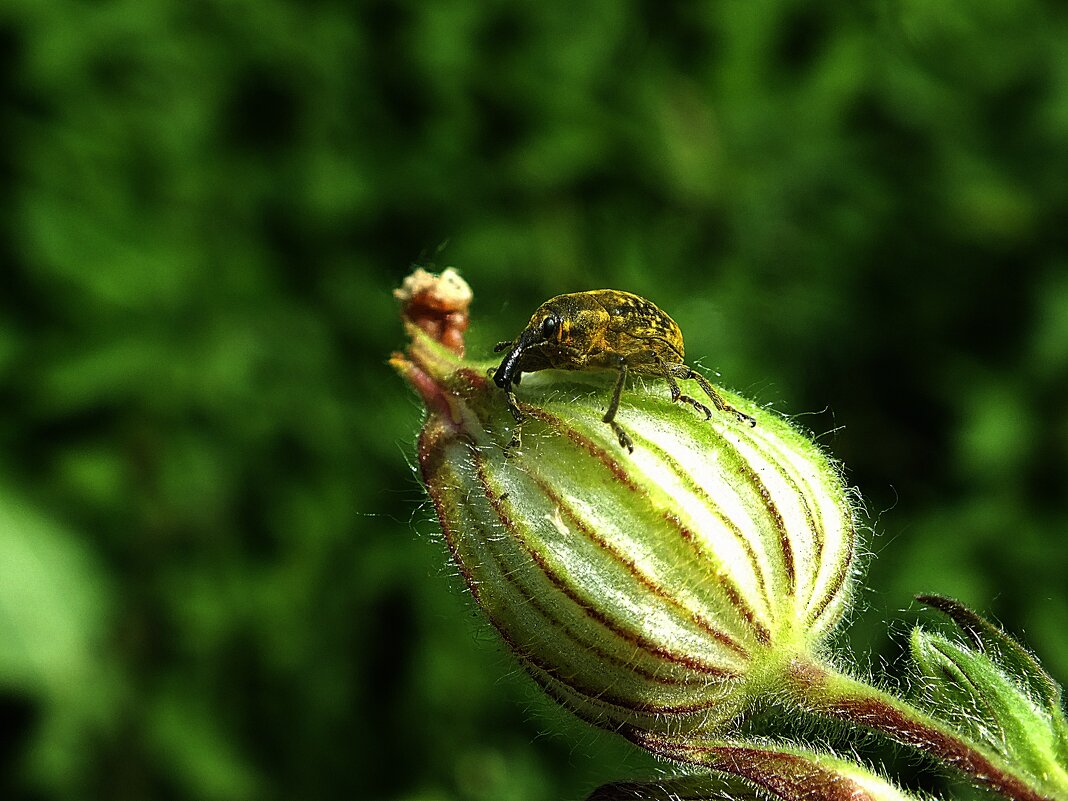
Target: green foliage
[(209, 582)]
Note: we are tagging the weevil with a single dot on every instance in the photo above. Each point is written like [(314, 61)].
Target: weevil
[(609, 330)]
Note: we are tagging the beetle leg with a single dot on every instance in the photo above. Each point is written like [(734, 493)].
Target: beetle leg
[(610, 416), (670, 371), (513, 407), (720, 404), (502, 346), (673, 371)]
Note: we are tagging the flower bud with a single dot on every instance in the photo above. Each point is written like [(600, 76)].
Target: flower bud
[(657, 591), (969, 690)]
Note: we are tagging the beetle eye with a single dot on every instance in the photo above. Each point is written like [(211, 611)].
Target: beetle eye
[(548, 326)]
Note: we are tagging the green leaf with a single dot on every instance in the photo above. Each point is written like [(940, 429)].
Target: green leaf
[(1002, 647), (972, 692), (55, 612), (1007, 652)]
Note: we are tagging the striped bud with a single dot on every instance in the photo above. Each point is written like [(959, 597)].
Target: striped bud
[(660, 591)]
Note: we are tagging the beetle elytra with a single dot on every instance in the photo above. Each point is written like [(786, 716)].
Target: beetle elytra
[(610, 330)]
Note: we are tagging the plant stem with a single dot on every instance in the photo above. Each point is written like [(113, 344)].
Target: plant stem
[(824, 691)]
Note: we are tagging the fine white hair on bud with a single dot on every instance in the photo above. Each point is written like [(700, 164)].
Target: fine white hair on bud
[(660, 590)]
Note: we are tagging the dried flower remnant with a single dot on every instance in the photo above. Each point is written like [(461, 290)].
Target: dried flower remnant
[(437, 304)]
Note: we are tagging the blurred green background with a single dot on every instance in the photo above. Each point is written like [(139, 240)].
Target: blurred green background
[(218, 576)]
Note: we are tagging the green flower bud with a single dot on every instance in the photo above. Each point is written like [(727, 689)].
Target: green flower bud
[(968, 689), (658, 591)]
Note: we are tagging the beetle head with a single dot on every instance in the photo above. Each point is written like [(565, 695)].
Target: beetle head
[(523, 355)]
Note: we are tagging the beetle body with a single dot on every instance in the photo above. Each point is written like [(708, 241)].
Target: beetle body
[(603, 329)]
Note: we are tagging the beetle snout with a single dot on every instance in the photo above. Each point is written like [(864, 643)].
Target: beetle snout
[(509, 369), (503, 377)]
